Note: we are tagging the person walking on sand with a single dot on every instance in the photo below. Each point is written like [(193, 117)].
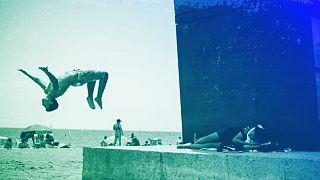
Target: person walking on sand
[(59, 85), (117, 132)]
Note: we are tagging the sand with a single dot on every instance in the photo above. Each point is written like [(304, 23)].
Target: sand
[(44, 163)]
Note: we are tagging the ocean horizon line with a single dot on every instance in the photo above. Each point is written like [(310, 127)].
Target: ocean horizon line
[(174, 131)]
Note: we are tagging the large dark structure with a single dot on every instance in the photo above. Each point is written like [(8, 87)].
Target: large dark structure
[(247, 62)]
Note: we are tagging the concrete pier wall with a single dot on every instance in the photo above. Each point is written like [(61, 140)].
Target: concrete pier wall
[(249, 62), (167, 162)]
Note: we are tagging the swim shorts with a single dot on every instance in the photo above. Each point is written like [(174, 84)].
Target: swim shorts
[(81, 78)]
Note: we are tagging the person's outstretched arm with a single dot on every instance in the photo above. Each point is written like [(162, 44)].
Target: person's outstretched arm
[(250, 147), (246, 145), (53, 79), (34, 79), (238, 140)]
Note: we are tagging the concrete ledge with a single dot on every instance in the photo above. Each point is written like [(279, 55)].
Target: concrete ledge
[(167, 162)]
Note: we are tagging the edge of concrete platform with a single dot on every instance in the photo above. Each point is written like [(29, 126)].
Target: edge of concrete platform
[(167, 162)]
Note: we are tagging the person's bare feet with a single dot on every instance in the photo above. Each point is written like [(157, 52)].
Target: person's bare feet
[(98, 101), (91, 103)]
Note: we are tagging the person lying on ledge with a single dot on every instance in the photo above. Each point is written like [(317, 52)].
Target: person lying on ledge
[(247, 138), (59, 85)]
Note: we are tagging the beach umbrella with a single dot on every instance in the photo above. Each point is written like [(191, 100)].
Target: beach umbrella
[(37, 128), (29, 131), (124, 140)]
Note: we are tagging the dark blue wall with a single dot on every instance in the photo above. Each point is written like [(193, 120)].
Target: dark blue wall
[(248, 62)]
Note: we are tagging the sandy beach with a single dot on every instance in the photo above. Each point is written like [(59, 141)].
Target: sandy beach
[(44, 163)]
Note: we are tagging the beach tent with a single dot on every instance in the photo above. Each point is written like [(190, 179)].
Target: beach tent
[(124, 140)]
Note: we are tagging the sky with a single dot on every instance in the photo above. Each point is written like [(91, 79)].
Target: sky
[(133, 40)]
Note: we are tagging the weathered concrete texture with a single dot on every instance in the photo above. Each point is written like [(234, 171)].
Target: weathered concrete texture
[(167, 162), (247, 62)]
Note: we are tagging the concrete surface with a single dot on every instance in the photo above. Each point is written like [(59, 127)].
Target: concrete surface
[(167, 162), (248, 62)]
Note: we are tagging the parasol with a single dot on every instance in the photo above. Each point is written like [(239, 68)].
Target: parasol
[(37, 128), (29, 131)]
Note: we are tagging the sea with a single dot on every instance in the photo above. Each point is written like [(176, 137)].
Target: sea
[(92, 138)]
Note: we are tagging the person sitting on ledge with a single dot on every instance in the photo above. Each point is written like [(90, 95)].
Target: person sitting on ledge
[(134, 141), (146, 143), (179, 140), (104, 142), (247, 138), (59, 85)]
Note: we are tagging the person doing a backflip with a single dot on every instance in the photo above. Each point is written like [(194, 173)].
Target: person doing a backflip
[(59, 85)]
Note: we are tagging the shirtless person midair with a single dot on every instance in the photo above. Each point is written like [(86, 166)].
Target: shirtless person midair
[(59, 85)]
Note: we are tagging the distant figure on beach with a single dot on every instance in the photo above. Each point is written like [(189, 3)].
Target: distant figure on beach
[(25, 136), (41, 140), (241, 138), (179, 141), (36, 141), (104, 141), (50, 140), (117, 132), (8, 144), (23, 144), (59, 85), (134, 141), (146, 143), (155, 141)]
